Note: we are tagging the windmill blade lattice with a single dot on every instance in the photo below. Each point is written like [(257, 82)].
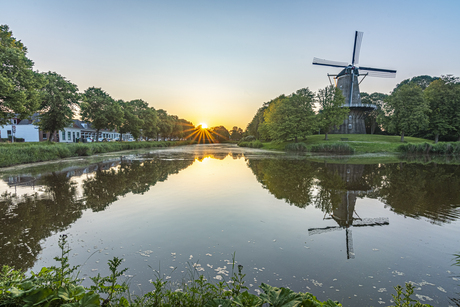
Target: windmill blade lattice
[(377, 72), (324, 62), (357, 47)]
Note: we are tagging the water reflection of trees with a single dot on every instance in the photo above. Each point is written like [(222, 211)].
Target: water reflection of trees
[(28, 219), (415, 190)]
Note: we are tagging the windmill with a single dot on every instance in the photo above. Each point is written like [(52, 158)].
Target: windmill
[(347, 81), (344, 213)]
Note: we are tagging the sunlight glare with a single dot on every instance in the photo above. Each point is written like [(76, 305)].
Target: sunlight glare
[(203, 125)]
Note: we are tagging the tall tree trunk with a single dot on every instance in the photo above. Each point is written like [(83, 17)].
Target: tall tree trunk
[(436, 138), (326, 137), (97, 135), (458, 140), (296, 139), (402, 136)]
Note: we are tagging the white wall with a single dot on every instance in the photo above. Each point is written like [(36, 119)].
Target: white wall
[(28, 132), (77, 132)]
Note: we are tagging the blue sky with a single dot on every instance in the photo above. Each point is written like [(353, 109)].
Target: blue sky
[(218, 61)]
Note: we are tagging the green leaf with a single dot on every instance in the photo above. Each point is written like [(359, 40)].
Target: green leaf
[(90, 299), (280, 297), (39, 296), (247, 299), (71, 292), (219, 302)]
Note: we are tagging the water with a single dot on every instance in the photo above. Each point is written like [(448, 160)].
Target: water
[(346, 232)]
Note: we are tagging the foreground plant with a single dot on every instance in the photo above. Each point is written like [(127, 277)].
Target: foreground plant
[(403, 299), (58, 286)]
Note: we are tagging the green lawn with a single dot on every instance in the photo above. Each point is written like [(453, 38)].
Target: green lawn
[(362, 143)]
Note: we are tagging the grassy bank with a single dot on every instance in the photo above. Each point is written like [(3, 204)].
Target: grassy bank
[(360, 143), (20, 153)]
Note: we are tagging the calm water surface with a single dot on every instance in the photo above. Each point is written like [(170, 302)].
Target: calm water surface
[(346, 232)]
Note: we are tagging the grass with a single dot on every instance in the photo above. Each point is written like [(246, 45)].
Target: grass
[(361, 143), (21, 153)]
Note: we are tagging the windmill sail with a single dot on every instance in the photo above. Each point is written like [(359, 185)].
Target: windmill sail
[(357, 47), (377, 72), (324, 62)]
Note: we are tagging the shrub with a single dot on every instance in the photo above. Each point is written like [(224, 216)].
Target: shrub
[(301, 147), (248, 138), (253, 144)]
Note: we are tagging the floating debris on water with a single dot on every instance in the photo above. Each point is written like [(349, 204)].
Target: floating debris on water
[(210, 255), (423, 297), (382, 290), (442, 289)]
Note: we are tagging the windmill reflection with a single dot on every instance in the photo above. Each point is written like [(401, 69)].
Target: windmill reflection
[(352, 185)]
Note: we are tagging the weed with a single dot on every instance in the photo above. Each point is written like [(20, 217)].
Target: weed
[(301, 147), (403, 299)]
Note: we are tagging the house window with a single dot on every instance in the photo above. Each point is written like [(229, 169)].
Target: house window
[(9, 132), (68, 135), (349, 126), (63, 135), (44, 135), (78, 134)]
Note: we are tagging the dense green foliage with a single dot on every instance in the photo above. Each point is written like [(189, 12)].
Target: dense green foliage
[(100, 110), (19, 84), (332, 112), (59, 98), (426, 148), (251, 144), (290, 117), (301, 147), (407, 110)]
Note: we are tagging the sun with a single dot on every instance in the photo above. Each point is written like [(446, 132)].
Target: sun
[(203, 125)]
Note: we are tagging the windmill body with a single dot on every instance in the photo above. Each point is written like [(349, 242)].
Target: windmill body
[(347, 81)]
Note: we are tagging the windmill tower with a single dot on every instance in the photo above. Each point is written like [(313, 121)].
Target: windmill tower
[(347, 81)]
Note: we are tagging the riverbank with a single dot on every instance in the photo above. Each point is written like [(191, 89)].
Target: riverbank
[(22, 153), (361, 143)]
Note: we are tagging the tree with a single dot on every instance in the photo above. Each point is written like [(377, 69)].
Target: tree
[(59, 98), (19, 84), (407, 110), (236, 133), (100, 110), (150, 125), (423, 81), (442, 98), (220, 133), (131, 123), (165, 124), (372, 118), (332, 112), (291, 117)]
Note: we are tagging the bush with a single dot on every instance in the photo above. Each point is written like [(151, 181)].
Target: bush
[(253, 144), (301, 147), (248, 138), (425, 148), (333, 148)]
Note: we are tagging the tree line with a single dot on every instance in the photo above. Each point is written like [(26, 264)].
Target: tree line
[(292, 117), (24, 92), (423, 106)]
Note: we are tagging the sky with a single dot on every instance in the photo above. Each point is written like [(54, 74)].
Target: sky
[(217, 62)]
